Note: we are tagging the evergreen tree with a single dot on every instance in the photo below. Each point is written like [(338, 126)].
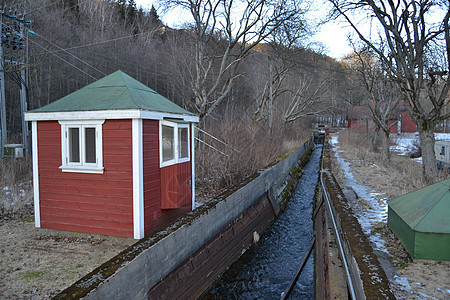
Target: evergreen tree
[(121, 6), (131, 12), (153, 15), (71, 7)]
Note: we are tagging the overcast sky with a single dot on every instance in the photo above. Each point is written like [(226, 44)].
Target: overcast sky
[(333, 35)]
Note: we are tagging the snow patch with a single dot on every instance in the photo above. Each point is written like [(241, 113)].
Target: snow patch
[(405, 143), (405, 286), (375, 213), (402, 282), (445, 291)]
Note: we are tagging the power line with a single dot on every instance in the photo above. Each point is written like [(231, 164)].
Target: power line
[(123, 63), (41, 7), (61, 49), (104, 42), (74, 56), (37, 44)]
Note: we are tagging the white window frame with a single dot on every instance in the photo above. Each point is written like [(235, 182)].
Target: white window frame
[(177, 159), (82, 166)]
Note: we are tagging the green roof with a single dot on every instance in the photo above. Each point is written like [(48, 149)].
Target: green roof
[(117, 91), (426, 209)]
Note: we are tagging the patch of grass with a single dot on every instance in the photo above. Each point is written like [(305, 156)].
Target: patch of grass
[(378, 230), (401, 168), (73, 269), (363, 202), (389, 245), (28, 219), (32, 275)]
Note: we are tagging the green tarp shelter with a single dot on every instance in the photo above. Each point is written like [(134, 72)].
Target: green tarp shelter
[(421, 220)]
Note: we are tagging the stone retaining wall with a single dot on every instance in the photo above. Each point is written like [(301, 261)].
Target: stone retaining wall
[(191, 241)]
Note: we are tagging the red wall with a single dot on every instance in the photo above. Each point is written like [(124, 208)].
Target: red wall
[(83, 202), (152, 182), (407, 123), (175, 185), (393, 127), (167, 192), (103, 203), (360, 125)]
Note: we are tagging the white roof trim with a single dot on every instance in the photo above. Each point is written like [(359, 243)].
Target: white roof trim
[(106, 114)]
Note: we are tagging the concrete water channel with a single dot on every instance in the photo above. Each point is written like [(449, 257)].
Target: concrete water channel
[(268, 267)]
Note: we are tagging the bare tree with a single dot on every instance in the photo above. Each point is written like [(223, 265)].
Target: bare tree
[(384, 98), (273, 88), (225, 33), (305, 98), (285, 45), (407, 45)]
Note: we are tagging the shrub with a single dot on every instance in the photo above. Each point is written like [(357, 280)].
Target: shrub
[(247, 150), (16, 192)]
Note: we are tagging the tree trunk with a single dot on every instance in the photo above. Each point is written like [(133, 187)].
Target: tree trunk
[(200, 135), (270, 96), (429, 167), (386, 151), (375, 139)]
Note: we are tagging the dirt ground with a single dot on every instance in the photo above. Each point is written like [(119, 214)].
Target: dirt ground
[(37, 263), (410, 279)]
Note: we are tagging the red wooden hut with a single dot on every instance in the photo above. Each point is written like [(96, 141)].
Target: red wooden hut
[(113, 158), (360, 120)]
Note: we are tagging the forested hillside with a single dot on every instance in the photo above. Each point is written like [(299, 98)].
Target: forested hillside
[(75, 42)]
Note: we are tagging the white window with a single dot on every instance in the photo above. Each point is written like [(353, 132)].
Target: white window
[(183, 142), (81, 146), (173, 143)]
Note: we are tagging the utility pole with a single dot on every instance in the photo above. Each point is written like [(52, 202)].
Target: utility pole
[(15, 38), (2, 93), (23, 90)]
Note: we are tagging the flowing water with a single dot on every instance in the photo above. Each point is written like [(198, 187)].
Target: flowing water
[(265, 270)]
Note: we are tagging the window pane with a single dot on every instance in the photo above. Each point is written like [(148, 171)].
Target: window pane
[(74, 145), (183, 143), (168, 147), (89, 136)]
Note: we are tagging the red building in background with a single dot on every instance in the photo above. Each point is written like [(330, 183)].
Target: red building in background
[(360, 120), (113, 158)]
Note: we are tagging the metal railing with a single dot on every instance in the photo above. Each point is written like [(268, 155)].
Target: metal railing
[(338, 238)]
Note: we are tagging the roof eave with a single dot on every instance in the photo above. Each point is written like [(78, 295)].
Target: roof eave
[(107, 114)]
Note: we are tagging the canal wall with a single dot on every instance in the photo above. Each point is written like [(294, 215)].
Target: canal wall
[(183, 259), (368, 278)]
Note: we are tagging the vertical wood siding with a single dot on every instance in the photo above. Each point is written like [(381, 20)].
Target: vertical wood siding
[(176, 188), (94, 203), (152, 181), (167, 191)]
